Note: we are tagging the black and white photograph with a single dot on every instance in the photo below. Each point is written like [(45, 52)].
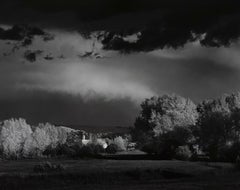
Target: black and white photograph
[(119, 94)]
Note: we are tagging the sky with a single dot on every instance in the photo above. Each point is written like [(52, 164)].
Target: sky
[(93, 63)]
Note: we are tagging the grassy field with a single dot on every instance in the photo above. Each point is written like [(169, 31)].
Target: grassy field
[(119, 174)]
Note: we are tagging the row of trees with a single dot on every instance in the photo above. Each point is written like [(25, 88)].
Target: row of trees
[(92, 149), (172, 126), (21, 140)]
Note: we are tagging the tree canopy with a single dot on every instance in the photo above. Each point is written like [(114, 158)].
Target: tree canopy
[(162, 114)]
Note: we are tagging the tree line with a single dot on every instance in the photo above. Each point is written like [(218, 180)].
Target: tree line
[(172, 126)]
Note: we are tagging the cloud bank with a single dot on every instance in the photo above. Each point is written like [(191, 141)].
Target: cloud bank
[(87, 80), (56, 77), (162, 23)]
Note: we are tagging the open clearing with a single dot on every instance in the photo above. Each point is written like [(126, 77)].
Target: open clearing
[(119, 174)]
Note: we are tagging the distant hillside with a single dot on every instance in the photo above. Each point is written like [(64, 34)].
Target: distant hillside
[(100, 129)]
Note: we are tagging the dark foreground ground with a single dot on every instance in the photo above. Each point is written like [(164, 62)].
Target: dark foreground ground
[(119, 175)]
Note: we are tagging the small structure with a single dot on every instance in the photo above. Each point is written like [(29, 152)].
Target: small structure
[(85, 140), (131, 146)]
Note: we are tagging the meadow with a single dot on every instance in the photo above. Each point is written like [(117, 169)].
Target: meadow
[(118, 174)]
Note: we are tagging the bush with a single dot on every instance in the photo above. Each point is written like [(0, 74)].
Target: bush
[(229, 153), (48, 167), (62, 150), (50, 151), (161, 147), (151, 147), (237, 163), (91, 150), (165, 145), (86, 151), (183, 153), (120, 143), (65, 150), (112, 149), (98, 149)]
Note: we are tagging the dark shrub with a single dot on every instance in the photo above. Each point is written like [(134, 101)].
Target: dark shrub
[(183, 153), (218, 128), (229, 153), (161, 147), (49, 151), (98, 149), (48, 167), (165, 145), (61, 150), (237, 163), (213, 132), (90, 150), (112, 149), (150, 147), (76, 150), (66, 150)]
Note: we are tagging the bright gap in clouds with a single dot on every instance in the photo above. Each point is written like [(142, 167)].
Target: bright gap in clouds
[(88, 80)]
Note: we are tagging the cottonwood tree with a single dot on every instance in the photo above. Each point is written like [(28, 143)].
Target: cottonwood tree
[(218, 129), (160, 116)]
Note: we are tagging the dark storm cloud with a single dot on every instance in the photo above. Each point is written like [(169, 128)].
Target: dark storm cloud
[(32, 55), (23, 36), (162, 23), (213, 25), (20, 33)]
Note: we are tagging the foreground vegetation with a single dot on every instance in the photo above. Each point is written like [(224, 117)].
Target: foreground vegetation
[(116, 174)]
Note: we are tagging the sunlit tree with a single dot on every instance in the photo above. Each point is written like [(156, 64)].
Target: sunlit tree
[(162, 114), (164, 124)]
